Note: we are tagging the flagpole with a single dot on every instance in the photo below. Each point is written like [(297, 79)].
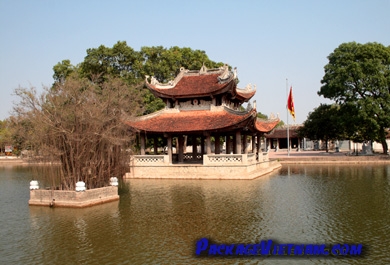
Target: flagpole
[(288, 129)]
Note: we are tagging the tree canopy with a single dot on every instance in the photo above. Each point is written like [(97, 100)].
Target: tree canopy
[(124, 62), (5, 134), (324, 123), (357, 77)]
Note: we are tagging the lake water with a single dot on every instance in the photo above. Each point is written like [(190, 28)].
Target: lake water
[(159, 221)]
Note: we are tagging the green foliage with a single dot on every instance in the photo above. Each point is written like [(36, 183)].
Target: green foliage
[(62, 70), (122, 61), (164, 64), (262, 116), (5, 134), (119, 61), (280, 124), (357, 77), (324, 123)]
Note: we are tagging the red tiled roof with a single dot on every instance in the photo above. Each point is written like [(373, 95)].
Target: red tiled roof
[(194, 86), (266, 126), (198, 121), (245, 96)]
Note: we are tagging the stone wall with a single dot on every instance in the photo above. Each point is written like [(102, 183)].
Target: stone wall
[(193, 171), (66, 198)]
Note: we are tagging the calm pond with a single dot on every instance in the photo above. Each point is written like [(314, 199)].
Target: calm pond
[(160, 221)]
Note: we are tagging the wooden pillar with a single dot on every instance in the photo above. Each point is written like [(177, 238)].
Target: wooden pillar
[(208, 143), (202, 145), (238, 142), (155, 140), (258, 146), (217, 144), (254, 151), (142, 142), (181, 148), (245, 143), (169, 143), (185, 144), (228, 144), (194, 148), (234, 144), (299, 144)]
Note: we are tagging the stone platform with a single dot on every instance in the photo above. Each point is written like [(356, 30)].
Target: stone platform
[(73, 199), (222, 166)]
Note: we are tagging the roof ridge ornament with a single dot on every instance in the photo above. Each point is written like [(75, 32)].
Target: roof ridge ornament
[(225, 74), (154, 81), (203, 70), (248, 88)]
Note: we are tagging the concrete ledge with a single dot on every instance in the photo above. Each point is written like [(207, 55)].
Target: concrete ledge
[(334, 160), (193, 171), (73, 199)]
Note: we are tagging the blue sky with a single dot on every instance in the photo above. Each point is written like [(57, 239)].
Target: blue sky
[(268, 41)]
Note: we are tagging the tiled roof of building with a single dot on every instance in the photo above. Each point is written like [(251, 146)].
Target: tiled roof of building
[(282, 132), (194, 86), (266, 126), (180, 121), (202, 83), (245, 95)]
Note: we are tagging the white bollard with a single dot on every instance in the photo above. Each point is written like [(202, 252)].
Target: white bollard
[(80, 186), (34, 185), (114, 181)]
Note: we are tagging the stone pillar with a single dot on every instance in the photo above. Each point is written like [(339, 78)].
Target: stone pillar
[(142, 142), (217, 144), (208, 144), (228, 144), (238, 142), (181, 148), (155, 139), (254, 151), (169, 143), (194, 148)]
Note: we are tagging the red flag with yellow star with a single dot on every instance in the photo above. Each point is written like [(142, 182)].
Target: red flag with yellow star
[(290, 104)]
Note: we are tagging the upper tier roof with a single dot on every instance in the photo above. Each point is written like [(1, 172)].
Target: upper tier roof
[(221, 120), (202, 83)]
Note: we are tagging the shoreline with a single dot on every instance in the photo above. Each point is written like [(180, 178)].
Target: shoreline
[(321, 157), (295, 157)]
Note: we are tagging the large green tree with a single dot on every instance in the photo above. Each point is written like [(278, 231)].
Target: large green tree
[(357, 77), (324, 123)]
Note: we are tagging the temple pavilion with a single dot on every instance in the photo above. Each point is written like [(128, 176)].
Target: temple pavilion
[(206, 132)]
